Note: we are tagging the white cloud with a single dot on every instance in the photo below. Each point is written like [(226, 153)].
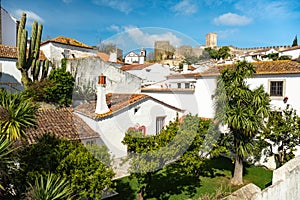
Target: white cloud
[(231, 19), (121, 5), (131, 38), (30, 16), (269, 9), (114, 28), (227, 33), (147, 39), (185, 7)]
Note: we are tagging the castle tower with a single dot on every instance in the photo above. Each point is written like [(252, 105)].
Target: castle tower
[(211, 40)]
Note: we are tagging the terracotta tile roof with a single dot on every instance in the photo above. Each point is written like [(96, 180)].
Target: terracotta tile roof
[(263, 67), (134, 67), (67, 41), (12, 52), (116, 102), (167, 90), (61, 123), (103, 56)]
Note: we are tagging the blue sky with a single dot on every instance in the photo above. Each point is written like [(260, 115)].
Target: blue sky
[(135, 23)]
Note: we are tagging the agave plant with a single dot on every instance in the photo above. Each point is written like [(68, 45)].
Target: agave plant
[(16, 114), (51, 187)]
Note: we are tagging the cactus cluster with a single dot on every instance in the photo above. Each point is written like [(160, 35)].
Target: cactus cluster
[(28, 57)]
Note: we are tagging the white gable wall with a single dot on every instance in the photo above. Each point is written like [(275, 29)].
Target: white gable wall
[(294, 53), (183, 100), (9, 67), (54, 52), (151, 74)]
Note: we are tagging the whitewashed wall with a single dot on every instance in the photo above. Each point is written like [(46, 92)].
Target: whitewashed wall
[(152, 74), (87, 70), (183, 100), (9, 29), (204, 92), (54, 52), (292, 83), (9, 67), (294, 53)]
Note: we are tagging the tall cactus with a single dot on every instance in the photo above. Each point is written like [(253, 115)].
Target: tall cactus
[(28, 57)]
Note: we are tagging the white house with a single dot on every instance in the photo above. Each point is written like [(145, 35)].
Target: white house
[(8, 28), (258, 55), (120, 112), (279, 78), (292, 52), (149, 73), (10, 76), (133, 57), (63, 47)]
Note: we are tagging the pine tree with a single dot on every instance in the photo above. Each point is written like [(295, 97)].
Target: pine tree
[(295, 41)]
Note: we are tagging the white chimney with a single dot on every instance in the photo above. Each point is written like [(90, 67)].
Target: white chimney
[(101, 106)]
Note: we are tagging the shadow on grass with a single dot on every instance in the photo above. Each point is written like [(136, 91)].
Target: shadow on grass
[(172, 180), (126, 190)]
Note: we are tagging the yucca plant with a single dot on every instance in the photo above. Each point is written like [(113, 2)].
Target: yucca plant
[(51, 187), (17, 114), (6, 159)]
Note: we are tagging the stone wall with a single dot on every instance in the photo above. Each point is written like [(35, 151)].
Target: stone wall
[(86, 72), (285, 185)]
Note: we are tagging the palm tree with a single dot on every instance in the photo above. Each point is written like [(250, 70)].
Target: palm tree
[(51, 187), (243, 110), (16, 114)]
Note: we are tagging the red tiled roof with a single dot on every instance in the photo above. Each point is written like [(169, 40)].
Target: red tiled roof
[(134, 67), (67, 41), (12, 52), (61, 123), (103, 56), (116, 102), (263, 67)]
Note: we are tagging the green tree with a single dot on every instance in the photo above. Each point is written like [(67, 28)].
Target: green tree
[(241, 109), (18, 113), (148, 154), (295, 41), (192, 160), (88, 176), (50, 187), (283, 133), (224, 52)]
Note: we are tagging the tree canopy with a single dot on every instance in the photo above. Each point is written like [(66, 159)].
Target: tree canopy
[(87, 176), (242, 110)]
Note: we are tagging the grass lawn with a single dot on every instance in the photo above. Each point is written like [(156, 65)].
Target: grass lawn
[(173, 183)]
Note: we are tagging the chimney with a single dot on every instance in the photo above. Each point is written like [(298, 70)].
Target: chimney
[(101, 106)]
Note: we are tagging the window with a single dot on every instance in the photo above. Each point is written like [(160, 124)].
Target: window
[(186, 85), (276, 88), (160, 122), (178, 85)]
